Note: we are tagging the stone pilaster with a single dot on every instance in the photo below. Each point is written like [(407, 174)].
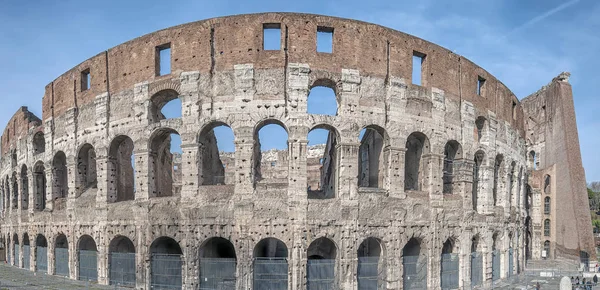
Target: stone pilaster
[(347, 171), (395, 171)]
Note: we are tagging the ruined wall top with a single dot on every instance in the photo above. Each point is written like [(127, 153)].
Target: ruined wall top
[(18, 126)]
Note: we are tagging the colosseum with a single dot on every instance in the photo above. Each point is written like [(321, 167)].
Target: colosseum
[(433, 174)]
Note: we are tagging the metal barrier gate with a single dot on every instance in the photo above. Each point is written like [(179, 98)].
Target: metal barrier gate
[(217, 273), (88, 265), (368, 273), (320, 274), (61, 261), (122, 269), (449, 271), (476, 268), (26, 257), (16, 259), (510, 262), (165, 271), (415, 273), (270, 273), (41, 259), (495, 265)]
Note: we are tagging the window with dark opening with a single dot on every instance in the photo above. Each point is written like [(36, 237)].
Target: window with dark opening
[(414, 264), (371, 161), (514, 110), (163, 59), (547, 205), (165, 155), (547, 228), (320, 267), (370, 270), (417, 68), (452, 153), (271, 36), (417, 145), (480, 85), (85, 79), (321, 174), (325, 39)]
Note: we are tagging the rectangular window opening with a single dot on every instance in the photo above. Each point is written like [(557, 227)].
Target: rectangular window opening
[(325, 39), (85, 80), (514, 110), (417, 68), (271, 36), (480, 84), (163, 59)]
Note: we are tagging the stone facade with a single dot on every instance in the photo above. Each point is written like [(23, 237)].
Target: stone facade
[(442, 167)]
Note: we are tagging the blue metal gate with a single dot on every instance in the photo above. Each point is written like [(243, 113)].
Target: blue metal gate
[(122, 269), (88, 265), (41, 259), (270, 273), (449, 271), (61, 261), (16, 260), (415, 273), (320, 274), (368, 273), (510, 262), (165, 270), (495, 265), (217, 273), (26, 257), (476, 268)]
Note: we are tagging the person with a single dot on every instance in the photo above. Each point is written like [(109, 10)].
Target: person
[(595, 279), (577, 280), (537, 286)]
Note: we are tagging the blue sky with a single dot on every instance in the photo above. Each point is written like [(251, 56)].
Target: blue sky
[(523, 43)]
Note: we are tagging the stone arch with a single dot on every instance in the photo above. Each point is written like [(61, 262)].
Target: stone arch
[(121, 179), (24, 187), (61, 255), (481, 125), (87, 254), (166, 262), (158, 100), (165, 171), (414, 265), (15, 190), (449, 266), (278, 159), (532, 159), (477, 176), (60, 181), (16, 250), (371, 265), (546, 227), (87, 176), (216, 166), (372, 168), (26, 251), (41, 253), (547, 184), (325, 186), (498, 164), (39, 185), (415, 169), (270, 264), (38, 143), (121, 261), (217, 251), (452, 158), (320, 267), (322, 98)]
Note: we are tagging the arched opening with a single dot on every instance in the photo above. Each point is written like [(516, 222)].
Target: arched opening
[(270, 265), (217, 151), (218, 263), (16, 248), (165, 160), (26, 252), (547, 185), (322, 99), (511, 177), (61, 256), (477, 175), (322, 155), (415, 169), (480, 127), (39, 143), (532, 158), (497, 174), (271, 153), (121, 262), (452, 153), (476, 262), (371, 158), (24, 187), (88, 259), (60, 183), (414, 264), (495, 258), (547, 205), (546, 227), (528, 238), (546, 251), (15, 190), (41, 254), (165, 104), (371, 269), (449, 272), (120, 163), (39, 184), (86, 168), (166, 261), (320, 267)]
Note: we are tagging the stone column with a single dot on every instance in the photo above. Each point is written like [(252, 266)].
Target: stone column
[(73, 261), (347, 171), (103, 267), (49, 182), (190, 178), (463, 181), (51, 260), (104, 172), (395, 172), (19, 189), (297, 177), (32, 189), (145, 186), (244, 162), (431, 181)]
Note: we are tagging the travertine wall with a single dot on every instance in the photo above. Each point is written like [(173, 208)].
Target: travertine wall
[(222, 76)]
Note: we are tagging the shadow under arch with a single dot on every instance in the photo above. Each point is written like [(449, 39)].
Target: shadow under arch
[(218, 263), (270, 264)]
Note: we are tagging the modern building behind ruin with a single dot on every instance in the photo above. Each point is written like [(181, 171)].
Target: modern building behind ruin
[(455, 182)]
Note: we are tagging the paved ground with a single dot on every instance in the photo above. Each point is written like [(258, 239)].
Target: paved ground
[(16, 278)]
